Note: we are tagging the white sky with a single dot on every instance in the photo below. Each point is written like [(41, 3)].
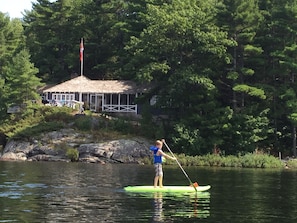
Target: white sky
[(15, 7)]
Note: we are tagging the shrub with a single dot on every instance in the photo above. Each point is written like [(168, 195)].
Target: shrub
[(72, 154), (60, 114), (260, 161), (35, 120), (22, 132), (231, 161), (121, 125), (248, 160), (147, 160), (83, 123), (292, 163)]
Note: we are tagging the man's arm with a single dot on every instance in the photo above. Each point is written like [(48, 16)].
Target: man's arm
[(164, 154)]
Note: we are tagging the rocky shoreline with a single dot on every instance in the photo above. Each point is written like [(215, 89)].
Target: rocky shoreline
[(52, 146)]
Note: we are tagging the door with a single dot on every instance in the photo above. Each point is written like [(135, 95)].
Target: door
[(96, 102)]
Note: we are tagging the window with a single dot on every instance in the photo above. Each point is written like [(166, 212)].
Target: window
[(124, 98), (115, 99), (63, 97), (131, 99), (108, 99)]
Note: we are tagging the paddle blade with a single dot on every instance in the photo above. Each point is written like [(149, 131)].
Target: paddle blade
[(195, 184)]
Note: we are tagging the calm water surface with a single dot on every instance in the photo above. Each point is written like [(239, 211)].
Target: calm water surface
[(79, 192)]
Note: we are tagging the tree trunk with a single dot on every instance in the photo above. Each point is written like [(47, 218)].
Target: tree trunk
[(294, 140)]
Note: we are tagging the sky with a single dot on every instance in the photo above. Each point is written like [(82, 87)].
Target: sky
[(15, 7)]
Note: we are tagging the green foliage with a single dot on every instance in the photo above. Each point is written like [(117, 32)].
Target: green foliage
[(248, 160), (59, 114), (83, 123), (21, 83), (246, 133), (261, 161), (102, 126), (232, 75), (51, 30), (72, 154), (252, 50), (224, 71), (18, 82), (247, 71), (34, 130), (120, 125), (36, 119), (292, 163), (252, 91), (187, 140), (147, 125)]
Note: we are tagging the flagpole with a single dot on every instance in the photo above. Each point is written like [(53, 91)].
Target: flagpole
[(81, 53), (81, 58)]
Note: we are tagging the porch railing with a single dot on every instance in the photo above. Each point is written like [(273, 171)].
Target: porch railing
[(119, 108)]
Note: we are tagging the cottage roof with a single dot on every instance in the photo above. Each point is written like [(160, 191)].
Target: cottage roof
[(85, 85)]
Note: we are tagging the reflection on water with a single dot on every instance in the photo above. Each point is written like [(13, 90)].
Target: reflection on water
[(67, 192), (79, 192), (169, 206), (158, 208), (190, 206)]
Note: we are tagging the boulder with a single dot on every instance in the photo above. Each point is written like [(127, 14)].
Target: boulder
[(53, 146)]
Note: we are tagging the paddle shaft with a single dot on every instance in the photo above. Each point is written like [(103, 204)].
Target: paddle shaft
[(180, 166)]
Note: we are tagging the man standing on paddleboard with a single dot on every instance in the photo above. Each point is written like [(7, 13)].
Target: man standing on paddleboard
[(158, 155)]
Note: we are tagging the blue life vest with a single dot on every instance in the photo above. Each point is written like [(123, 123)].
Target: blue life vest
[(157, 158)]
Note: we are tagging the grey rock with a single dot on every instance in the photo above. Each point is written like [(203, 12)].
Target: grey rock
[(53, 146)]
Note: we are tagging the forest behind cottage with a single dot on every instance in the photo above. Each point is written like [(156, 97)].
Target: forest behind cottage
[(224, 71)]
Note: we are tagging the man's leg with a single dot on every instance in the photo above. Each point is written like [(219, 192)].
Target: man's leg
[(156, 181), (161, 181)]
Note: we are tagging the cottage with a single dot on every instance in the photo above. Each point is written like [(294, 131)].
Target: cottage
[(98, 95)]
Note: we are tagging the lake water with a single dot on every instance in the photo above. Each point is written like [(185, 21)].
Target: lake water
[(80, 192)]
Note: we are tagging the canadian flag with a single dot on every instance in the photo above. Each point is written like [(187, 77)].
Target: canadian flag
[(81, 50)]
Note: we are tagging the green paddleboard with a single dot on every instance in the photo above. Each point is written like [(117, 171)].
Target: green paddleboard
[(168, 189)]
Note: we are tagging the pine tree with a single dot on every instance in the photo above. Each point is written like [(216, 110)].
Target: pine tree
[(278, 39), (178, 52), (21, 83)]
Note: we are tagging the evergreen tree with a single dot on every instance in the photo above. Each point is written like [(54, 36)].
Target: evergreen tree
[(109, 25), (11, 41), (223, 71), (53, 36), (21, 83), (178, 52), (54, 30), (239, 84), (278, 39)]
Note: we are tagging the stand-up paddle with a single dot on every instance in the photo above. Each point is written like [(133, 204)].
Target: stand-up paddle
[(169, 189), (180, 166)]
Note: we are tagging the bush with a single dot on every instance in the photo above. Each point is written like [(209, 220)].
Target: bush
[(72, 154), (248, 160), (83, 123), (292, 163), (35, 120), (260, 161), (232, 161), (60, 114), (27, 132), (122, 125)]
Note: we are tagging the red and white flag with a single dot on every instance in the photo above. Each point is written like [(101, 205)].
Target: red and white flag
[(81, 50)]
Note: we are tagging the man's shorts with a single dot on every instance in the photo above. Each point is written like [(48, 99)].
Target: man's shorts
[(158, 169)]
